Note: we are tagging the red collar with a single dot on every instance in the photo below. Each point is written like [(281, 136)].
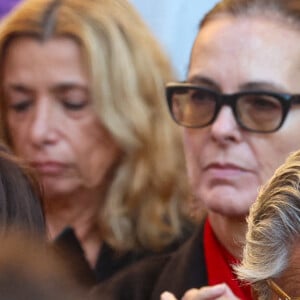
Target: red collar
[(218, 262)]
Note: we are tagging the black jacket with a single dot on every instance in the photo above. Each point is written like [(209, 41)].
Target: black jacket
[(146, 280)]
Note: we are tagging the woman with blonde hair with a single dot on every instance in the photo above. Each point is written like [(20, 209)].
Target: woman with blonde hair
[(82, 91)]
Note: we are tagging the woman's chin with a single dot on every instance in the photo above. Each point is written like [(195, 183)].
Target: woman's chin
[(226, 201), (54, 188)]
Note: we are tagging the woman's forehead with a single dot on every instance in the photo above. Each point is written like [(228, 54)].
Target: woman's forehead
[(249, 50)]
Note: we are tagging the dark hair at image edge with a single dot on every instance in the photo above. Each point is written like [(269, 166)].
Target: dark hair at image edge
[(20, 195)]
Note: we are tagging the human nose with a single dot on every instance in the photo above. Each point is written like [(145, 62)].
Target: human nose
[(43, 124), (225, 127)]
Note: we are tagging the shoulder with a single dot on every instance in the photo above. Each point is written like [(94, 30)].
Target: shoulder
[(146, 279), (136, 282), (185, 270), (111, 261), (69, 249)]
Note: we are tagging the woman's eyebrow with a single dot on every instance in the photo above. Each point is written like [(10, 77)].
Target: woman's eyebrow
[(203, 80), (262, 85), (66, 86), (16, 87)]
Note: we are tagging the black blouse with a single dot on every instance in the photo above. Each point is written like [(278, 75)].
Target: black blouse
[(109, 261)]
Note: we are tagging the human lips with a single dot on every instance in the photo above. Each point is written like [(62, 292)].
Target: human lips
[(52, 168), (224, 170)]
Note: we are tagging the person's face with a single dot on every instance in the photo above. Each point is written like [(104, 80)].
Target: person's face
[(50, 115), (226, 164)]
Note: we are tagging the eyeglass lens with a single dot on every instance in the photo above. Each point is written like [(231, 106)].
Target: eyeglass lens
[(196, 107)]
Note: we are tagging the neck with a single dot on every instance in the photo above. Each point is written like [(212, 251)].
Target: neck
[(79, 211), (230, 232)]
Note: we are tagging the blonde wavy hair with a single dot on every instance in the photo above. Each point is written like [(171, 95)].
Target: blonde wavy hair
[(273, 228), (128, 72)]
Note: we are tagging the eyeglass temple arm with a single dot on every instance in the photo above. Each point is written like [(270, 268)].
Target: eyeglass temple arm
[(278, 290)]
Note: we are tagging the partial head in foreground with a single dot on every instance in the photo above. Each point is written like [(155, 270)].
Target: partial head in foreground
[(30, 269), (21, 203), (271, 258)]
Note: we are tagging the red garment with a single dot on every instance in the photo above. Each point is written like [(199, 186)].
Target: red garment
[(218, 262)]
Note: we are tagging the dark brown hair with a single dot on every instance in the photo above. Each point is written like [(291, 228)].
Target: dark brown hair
[(287, 10), (20, 196), (30, 269)]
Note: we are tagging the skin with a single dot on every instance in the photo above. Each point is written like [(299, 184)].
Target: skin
[(226, 164), (219, 291), (52, 124)]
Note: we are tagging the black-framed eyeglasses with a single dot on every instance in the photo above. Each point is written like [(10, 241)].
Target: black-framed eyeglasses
[(279, 291), (258, 111)]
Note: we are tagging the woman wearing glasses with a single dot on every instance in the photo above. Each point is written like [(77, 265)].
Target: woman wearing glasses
[(271, 257), (240, 116)]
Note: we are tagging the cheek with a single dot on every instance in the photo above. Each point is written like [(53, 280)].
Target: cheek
[(192, 148), (266, 159), (100, 162), (95, 157), (192, 141), (17, 135), (270, 152)]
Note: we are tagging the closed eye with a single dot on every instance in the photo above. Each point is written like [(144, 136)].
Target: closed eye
[(74, 106), (20, 106)]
